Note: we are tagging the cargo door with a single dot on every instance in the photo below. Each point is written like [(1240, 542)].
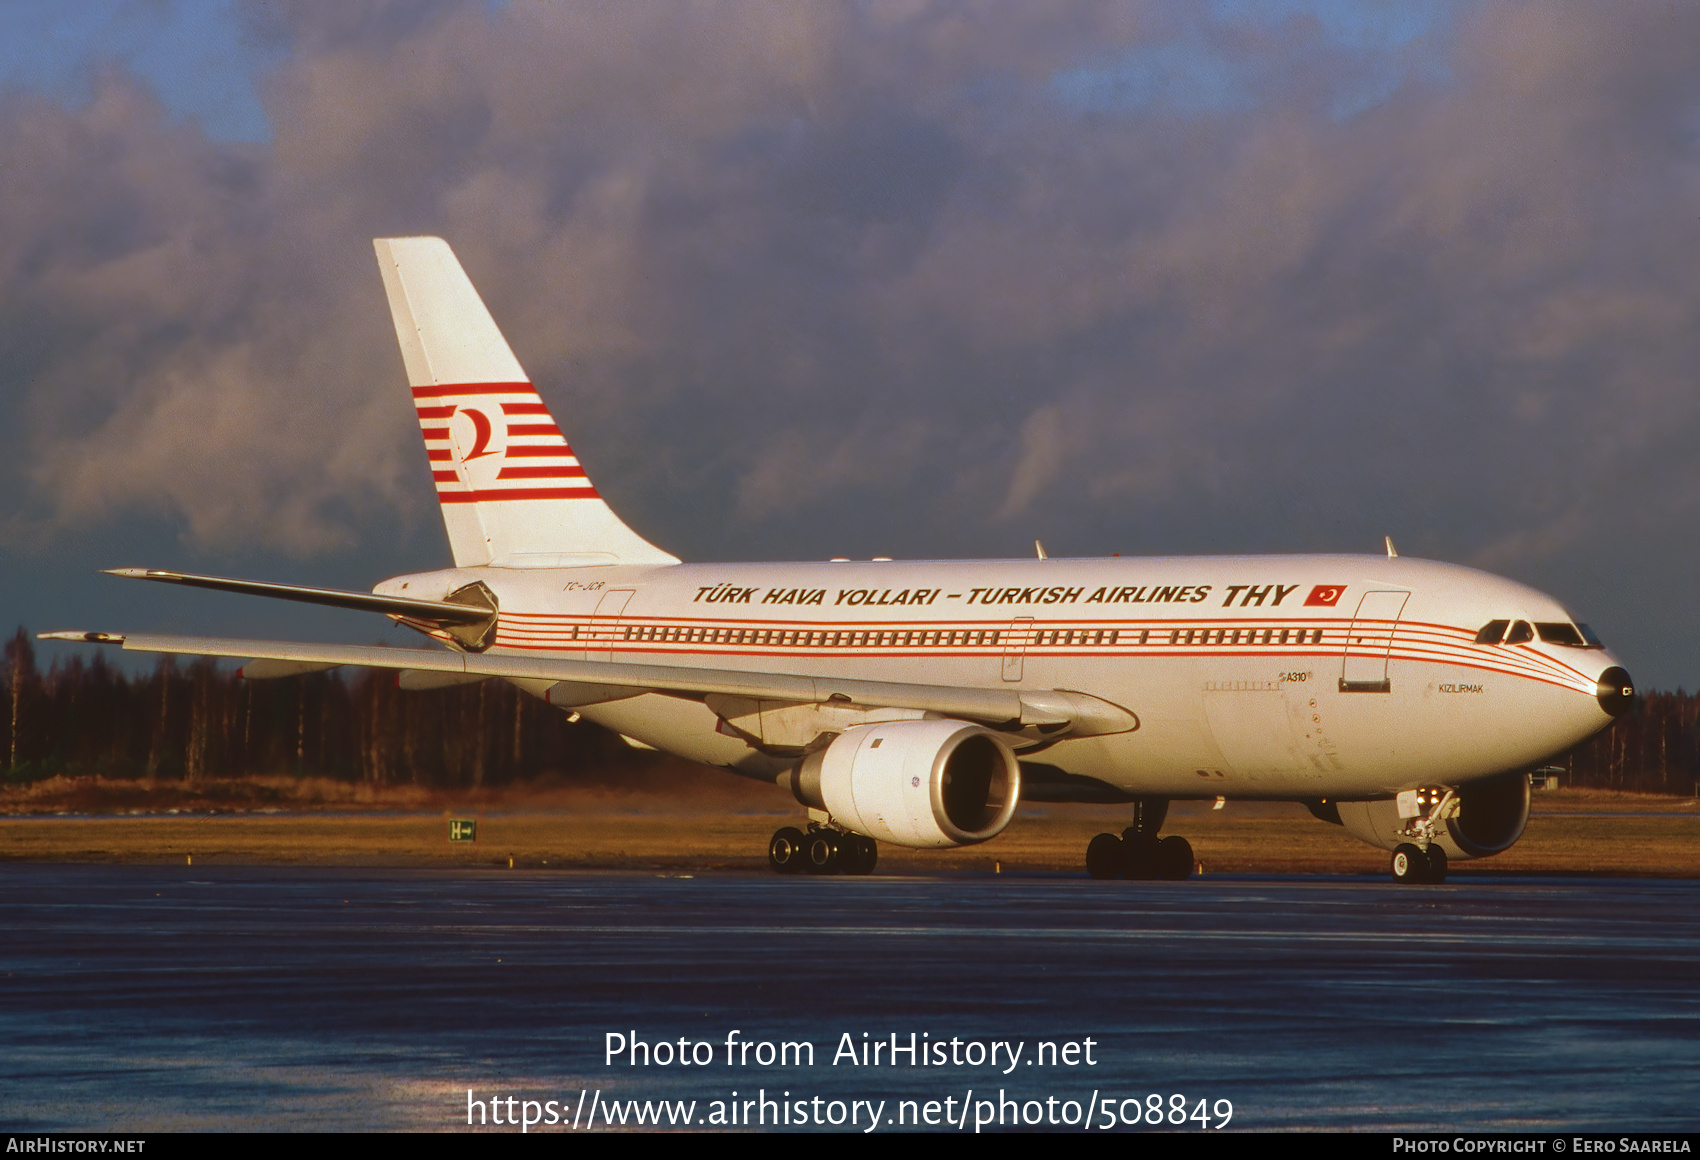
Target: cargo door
[(1261, 729)]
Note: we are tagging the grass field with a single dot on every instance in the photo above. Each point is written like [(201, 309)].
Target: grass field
[(720, 823)]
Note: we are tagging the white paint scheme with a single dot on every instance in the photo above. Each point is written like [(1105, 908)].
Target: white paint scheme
[(1113, 679), (1259, 721)]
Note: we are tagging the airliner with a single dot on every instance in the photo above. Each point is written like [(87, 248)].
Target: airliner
[(920, 702)]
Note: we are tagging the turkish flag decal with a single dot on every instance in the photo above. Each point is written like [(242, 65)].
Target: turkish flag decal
[(1325, 595)]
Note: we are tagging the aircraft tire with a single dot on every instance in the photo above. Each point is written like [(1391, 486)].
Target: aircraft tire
[(1174, 859), (823, 852), (785, 851), (1436, 866), (1139, 856), (1104, 856), (1409, 864), (859, 854)]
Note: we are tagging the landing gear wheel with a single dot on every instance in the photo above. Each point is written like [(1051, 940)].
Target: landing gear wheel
[(785, 851), (1139, 855), (858, 854), (1409, 864), (1174, 860), (1436, 865), (1104, 856), (823, 852)]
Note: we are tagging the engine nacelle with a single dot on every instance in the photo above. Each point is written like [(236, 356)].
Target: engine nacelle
[(915, 783), (1491, 816)]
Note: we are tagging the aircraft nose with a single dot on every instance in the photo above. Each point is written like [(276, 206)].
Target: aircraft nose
[(1616, 691)]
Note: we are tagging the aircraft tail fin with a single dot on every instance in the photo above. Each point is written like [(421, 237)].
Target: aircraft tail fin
[(512, 491)]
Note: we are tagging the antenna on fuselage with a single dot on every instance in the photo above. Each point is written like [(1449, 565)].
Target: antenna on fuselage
[(1039, 550), (1392, 552)]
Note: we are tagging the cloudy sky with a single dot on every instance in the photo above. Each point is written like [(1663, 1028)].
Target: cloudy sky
[(886, 277)]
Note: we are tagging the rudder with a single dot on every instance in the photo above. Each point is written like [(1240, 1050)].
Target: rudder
[(512, 492)]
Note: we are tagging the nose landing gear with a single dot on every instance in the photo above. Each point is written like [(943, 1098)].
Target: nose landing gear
[(1412, 864), (1422, 859)]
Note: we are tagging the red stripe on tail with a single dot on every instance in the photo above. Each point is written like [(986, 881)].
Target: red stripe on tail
[(444, 390), (517, 493), (542, 473)]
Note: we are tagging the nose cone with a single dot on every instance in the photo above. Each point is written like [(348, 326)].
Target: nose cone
[(1616, 691)]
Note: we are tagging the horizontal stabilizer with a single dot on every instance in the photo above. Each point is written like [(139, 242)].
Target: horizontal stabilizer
[(432, 610)]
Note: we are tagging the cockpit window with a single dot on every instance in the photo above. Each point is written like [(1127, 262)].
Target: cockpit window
[(1492, 632), (1551, 632), (1561, 633)]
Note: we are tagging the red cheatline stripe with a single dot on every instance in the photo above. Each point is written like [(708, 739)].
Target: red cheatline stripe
[(436, 412), (434, 432), (524, 409), (515, 493), (563, 472), (438, 454), (449, 390), (444, 476), (538, 451), (533, 429)]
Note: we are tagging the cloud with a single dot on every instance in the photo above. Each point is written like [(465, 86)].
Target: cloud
[(1044, 450), (902, 277)]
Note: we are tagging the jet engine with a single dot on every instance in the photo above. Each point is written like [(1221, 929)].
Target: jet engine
[(915, 783), (1490, 817)]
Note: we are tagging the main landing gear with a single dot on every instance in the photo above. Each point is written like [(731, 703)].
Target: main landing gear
[(821, 850), (1139, 853)]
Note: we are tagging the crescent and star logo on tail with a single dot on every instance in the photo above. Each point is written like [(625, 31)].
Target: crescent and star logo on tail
[(480, 433)]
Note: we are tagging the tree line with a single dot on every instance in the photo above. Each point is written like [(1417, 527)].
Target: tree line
[(199, 720)]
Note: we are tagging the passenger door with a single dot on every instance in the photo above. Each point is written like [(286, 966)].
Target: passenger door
[(1015, 640), (605, 625), (1368, 641)]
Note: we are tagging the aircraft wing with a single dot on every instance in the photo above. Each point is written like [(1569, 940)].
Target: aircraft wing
[(1081, 714)]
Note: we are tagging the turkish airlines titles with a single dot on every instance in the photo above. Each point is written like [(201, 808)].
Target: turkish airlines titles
[(1247, 595)]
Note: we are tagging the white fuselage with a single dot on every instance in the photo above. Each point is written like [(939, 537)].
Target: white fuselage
[(1247, 680)]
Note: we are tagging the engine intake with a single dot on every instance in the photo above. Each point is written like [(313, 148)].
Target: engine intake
[(1491, 815), (925, 784)]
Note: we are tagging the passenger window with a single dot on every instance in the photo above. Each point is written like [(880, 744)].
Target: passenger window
[(1520, 633), (1561, 633), (1492, 632)]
